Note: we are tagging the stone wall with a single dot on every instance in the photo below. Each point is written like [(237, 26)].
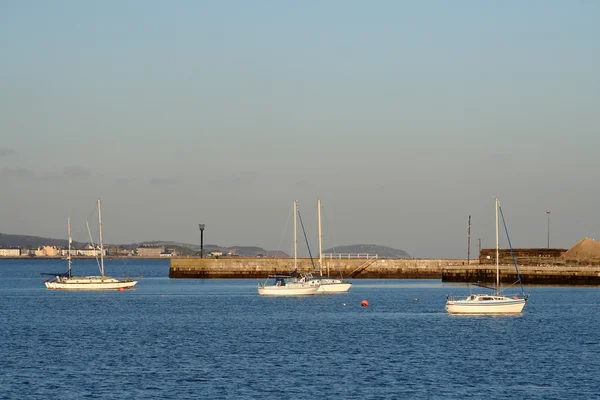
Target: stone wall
[(194, 267), (448, 270), (530, 275)]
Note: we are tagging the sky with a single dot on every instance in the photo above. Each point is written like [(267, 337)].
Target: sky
[(403, 117)]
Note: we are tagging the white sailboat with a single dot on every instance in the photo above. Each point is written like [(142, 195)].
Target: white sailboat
[(288, 285), (102, 282), (327, 284), (486, 303)]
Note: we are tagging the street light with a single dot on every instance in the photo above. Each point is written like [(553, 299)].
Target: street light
[(548, 214), (201, 226)]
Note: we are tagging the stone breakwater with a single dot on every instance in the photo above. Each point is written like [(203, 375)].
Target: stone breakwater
[(448, 270), (530, 275), (260, 268)]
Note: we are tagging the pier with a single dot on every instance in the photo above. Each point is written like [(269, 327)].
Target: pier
[(448, 270), (364, 267), (530, 275)]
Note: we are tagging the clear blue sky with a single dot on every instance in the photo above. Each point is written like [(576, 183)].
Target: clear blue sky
[(403, 117)]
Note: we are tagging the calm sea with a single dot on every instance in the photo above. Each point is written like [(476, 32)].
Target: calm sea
[(217, 339)]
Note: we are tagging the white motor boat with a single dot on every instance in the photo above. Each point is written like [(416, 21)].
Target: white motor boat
[(286, 285)]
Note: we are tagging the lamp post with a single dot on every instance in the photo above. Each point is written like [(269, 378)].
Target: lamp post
[(469, 242), (201, 226), (548, 214)]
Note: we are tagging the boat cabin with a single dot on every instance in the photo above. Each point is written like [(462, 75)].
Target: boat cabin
[(280, 280), (484, 297)]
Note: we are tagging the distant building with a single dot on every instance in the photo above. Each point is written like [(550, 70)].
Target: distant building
[(173, 252), (169, 253), (88, 251), (10, 252), (119, 252), (149, 250), (47, 251)]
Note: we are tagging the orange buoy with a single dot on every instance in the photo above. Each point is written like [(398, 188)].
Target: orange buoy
[(364, 303), (121, 289)]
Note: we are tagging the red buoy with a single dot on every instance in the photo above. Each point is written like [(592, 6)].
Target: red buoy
[(364, 303), (121, 289)]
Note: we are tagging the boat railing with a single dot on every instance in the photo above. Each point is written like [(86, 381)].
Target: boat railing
[(338, 256)]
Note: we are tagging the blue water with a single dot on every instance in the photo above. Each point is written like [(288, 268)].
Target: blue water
[(217, 339)]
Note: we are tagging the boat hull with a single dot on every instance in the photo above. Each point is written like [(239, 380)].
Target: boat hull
[(287, 291), (90, 283), (507, 306), (336, 287)]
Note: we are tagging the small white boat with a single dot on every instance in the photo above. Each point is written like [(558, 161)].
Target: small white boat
[(286, 285), (68, 282), (486, 303)]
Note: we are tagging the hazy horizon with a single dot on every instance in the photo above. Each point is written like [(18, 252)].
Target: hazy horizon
[(403, 117)]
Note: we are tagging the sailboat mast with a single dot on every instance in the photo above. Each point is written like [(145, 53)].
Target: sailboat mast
[(295, 240), (497, 252), (69, 250), (320, 238), (101, 246)]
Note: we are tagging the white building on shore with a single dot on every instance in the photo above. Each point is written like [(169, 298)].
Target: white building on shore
[(10, 252)]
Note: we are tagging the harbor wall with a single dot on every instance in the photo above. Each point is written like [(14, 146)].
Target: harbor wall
[(448, 270), (207, 268), (530, 275)]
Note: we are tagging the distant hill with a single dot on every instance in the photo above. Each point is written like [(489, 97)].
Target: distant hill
[(29, 241), (381, 251)]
